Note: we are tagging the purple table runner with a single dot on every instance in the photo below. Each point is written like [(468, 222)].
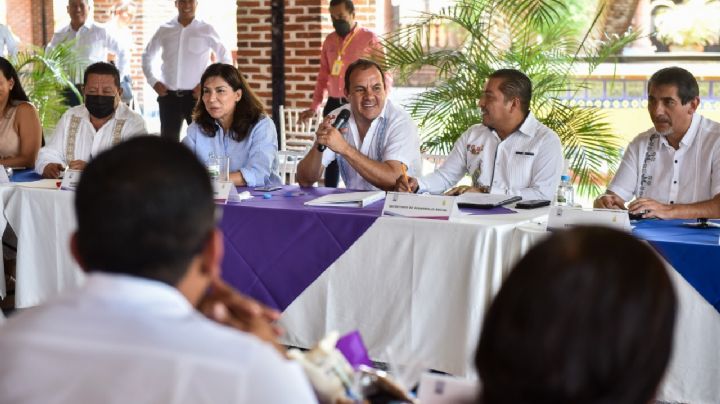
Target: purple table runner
[(275, 248)]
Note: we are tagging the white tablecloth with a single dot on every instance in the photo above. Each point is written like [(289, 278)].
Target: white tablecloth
[(694, 370), (418, 287), (43, 220)]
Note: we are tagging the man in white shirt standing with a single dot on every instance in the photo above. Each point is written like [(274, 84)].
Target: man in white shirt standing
[(85, 130), (379, 139), (184, 44), (153, 323), (509, 153), (673, 169), (8, 43), (92, 43)]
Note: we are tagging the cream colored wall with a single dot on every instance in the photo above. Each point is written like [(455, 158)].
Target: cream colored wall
[(628, 122)]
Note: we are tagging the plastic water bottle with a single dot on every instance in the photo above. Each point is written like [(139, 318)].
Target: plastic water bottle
[(565, 195)]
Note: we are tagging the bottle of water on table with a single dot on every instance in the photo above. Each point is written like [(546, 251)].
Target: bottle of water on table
[(565, 195)]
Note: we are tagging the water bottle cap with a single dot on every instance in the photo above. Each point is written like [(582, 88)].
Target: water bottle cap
[(564, 178)]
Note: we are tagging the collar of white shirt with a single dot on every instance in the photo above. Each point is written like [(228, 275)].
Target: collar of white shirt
[(135, 293), (529, 126), (87, 26), (362, 146), (175, 22), (689, 136)]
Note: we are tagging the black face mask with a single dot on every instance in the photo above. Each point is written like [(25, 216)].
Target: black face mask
[(342, 27), (100, 106)]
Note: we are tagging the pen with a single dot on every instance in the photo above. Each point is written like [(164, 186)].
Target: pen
[(404, 171)]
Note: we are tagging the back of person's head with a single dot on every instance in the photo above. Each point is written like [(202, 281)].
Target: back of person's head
[(144, 208), (17, 93), (103, 68), (515, 84), (683, 80), (362, 64), (585, 317), (248, 110)]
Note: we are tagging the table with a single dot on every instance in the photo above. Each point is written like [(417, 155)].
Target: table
[(43, 220), (694, 368), (419, 287)]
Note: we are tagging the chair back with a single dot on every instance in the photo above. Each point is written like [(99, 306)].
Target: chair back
[(294, 134), (287, 165)]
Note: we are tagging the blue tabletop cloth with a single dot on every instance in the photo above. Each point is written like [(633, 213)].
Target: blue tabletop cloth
[(693, 252), (26, 175)]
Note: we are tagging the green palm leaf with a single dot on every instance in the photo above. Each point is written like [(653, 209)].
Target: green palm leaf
[(44, 77), (528, 35)]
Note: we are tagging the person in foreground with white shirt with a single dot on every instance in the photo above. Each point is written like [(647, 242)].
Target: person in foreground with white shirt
[(509, 153), (673, 169), (380, 137), (92, 44), (154, 323), (184, 44), (86, 130)]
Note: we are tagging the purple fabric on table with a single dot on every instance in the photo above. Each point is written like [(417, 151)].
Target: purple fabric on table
[(275, 248), (353, 349)]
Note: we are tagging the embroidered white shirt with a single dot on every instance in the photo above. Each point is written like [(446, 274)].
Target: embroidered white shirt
[(392, 136), (527, 163), (93, 42), (88, 141), (123, 339), (184, 53), (687, 175)]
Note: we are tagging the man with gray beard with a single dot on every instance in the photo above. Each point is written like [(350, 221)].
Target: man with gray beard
[(673, 169)]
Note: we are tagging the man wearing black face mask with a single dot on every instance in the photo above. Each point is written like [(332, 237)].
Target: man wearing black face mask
[(341, 48), (87, 129)]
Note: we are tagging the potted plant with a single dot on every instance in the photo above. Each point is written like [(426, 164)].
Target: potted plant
[(530, 35), (44, 77), (687, 26)]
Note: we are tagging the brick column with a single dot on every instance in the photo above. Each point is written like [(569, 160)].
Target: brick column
[(307, 22), (26, 20)]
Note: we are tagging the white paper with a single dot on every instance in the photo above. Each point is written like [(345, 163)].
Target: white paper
[(444, 389), (4, 179), (415, 205), (481, 199), (561, 217), (71, 179), (348, 199)]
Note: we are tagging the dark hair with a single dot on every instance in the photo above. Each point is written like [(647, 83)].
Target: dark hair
[(144, 208), (17, 93), (103, 68), (349, 6), (515, 84), (687, 86), (585, 317), (362, 64), (248, 111)]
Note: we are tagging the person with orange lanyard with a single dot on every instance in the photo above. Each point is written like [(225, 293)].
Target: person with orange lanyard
[(347, 44)]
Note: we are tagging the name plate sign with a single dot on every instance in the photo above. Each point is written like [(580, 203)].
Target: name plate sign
[(561, 217), (70, 180), (413, 205)]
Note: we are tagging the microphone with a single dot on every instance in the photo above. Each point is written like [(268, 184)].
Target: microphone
[(340, 122)]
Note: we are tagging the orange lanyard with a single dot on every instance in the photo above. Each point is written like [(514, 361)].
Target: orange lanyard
[(346, 42)]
